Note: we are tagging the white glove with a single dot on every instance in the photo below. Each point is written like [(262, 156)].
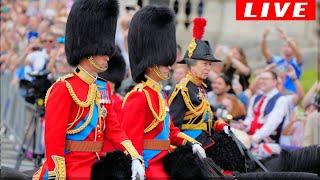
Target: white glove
[(137, 169), (196, 148), (226, 129)]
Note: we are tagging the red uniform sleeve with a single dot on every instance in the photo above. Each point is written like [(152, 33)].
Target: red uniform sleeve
[(133, 117), (174, 138), (113, 132), (57, 114)]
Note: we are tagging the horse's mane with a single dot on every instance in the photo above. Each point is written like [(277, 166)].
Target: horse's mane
[(304, 160)]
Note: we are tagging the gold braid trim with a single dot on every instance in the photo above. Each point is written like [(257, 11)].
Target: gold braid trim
[(138, 88), (96, 65), (47, 95), (201, 108), (187, 138), (162, 106), (85, 124), (190, 106), (195, 80), (36, 175), (191, 47), (90, 101), (63, 78), (159, 74), (92, 93), (130, 149), (59, 171), (194, 111), (151, 126), (181, 86)]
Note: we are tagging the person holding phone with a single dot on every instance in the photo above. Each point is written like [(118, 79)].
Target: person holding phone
[(291, 56)]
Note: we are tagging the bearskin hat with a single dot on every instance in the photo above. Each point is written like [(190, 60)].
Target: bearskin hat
[(116, 70), (90, 29), (151, 39)]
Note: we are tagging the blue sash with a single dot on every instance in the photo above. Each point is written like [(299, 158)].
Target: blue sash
[(194, 133), (82, 135), (164, 135)]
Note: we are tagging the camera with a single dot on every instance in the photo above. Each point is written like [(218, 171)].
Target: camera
[(36, 89), (221, 112)]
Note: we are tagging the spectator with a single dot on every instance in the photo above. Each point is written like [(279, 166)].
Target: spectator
[(312, 129), (311, 103), (36, 60), (34, 23), (266, 115), (292, 126), (309, 98), (291, 56), (234, 107), (293, 131), (180, 71), (221, 94), (49, 43), (122, 34), (236, 67)]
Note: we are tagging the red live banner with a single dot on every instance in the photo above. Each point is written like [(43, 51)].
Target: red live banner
[(275, 9)]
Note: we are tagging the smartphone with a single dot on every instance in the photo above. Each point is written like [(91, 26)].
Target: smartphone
[(281, 69)]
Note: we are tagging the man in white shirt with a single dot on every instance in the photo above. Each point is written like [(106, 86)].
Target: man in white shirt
[(36, 60), (266, 116)]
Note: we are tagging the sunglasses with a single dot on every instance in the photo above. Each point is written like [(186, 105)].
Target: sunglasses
[(47, 41)]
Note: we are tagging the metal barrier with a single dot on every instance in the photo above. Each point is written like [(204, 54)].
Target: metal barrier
[(17, 114)]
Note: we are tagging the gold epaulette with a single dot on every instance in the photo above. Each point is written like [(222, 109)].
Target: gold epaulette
[(137, 88), (90, 101), (158, 117), (181, 86), (62, 78)]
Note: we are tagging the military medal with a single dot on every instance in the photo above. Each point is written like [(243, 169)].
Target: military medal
[(104, 112)]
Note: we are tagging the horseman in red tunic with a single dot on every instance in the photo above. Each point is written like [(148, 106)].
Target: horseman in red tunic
[(79, 115), (145, 114)]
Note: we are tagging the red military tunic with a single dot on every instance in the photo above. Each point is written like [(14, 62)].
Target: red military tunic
[(139, 123), (116, 99), (63, 114)]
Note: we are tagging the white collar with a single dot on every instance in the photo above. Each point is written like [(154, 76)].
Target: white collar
[(271, 93)]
